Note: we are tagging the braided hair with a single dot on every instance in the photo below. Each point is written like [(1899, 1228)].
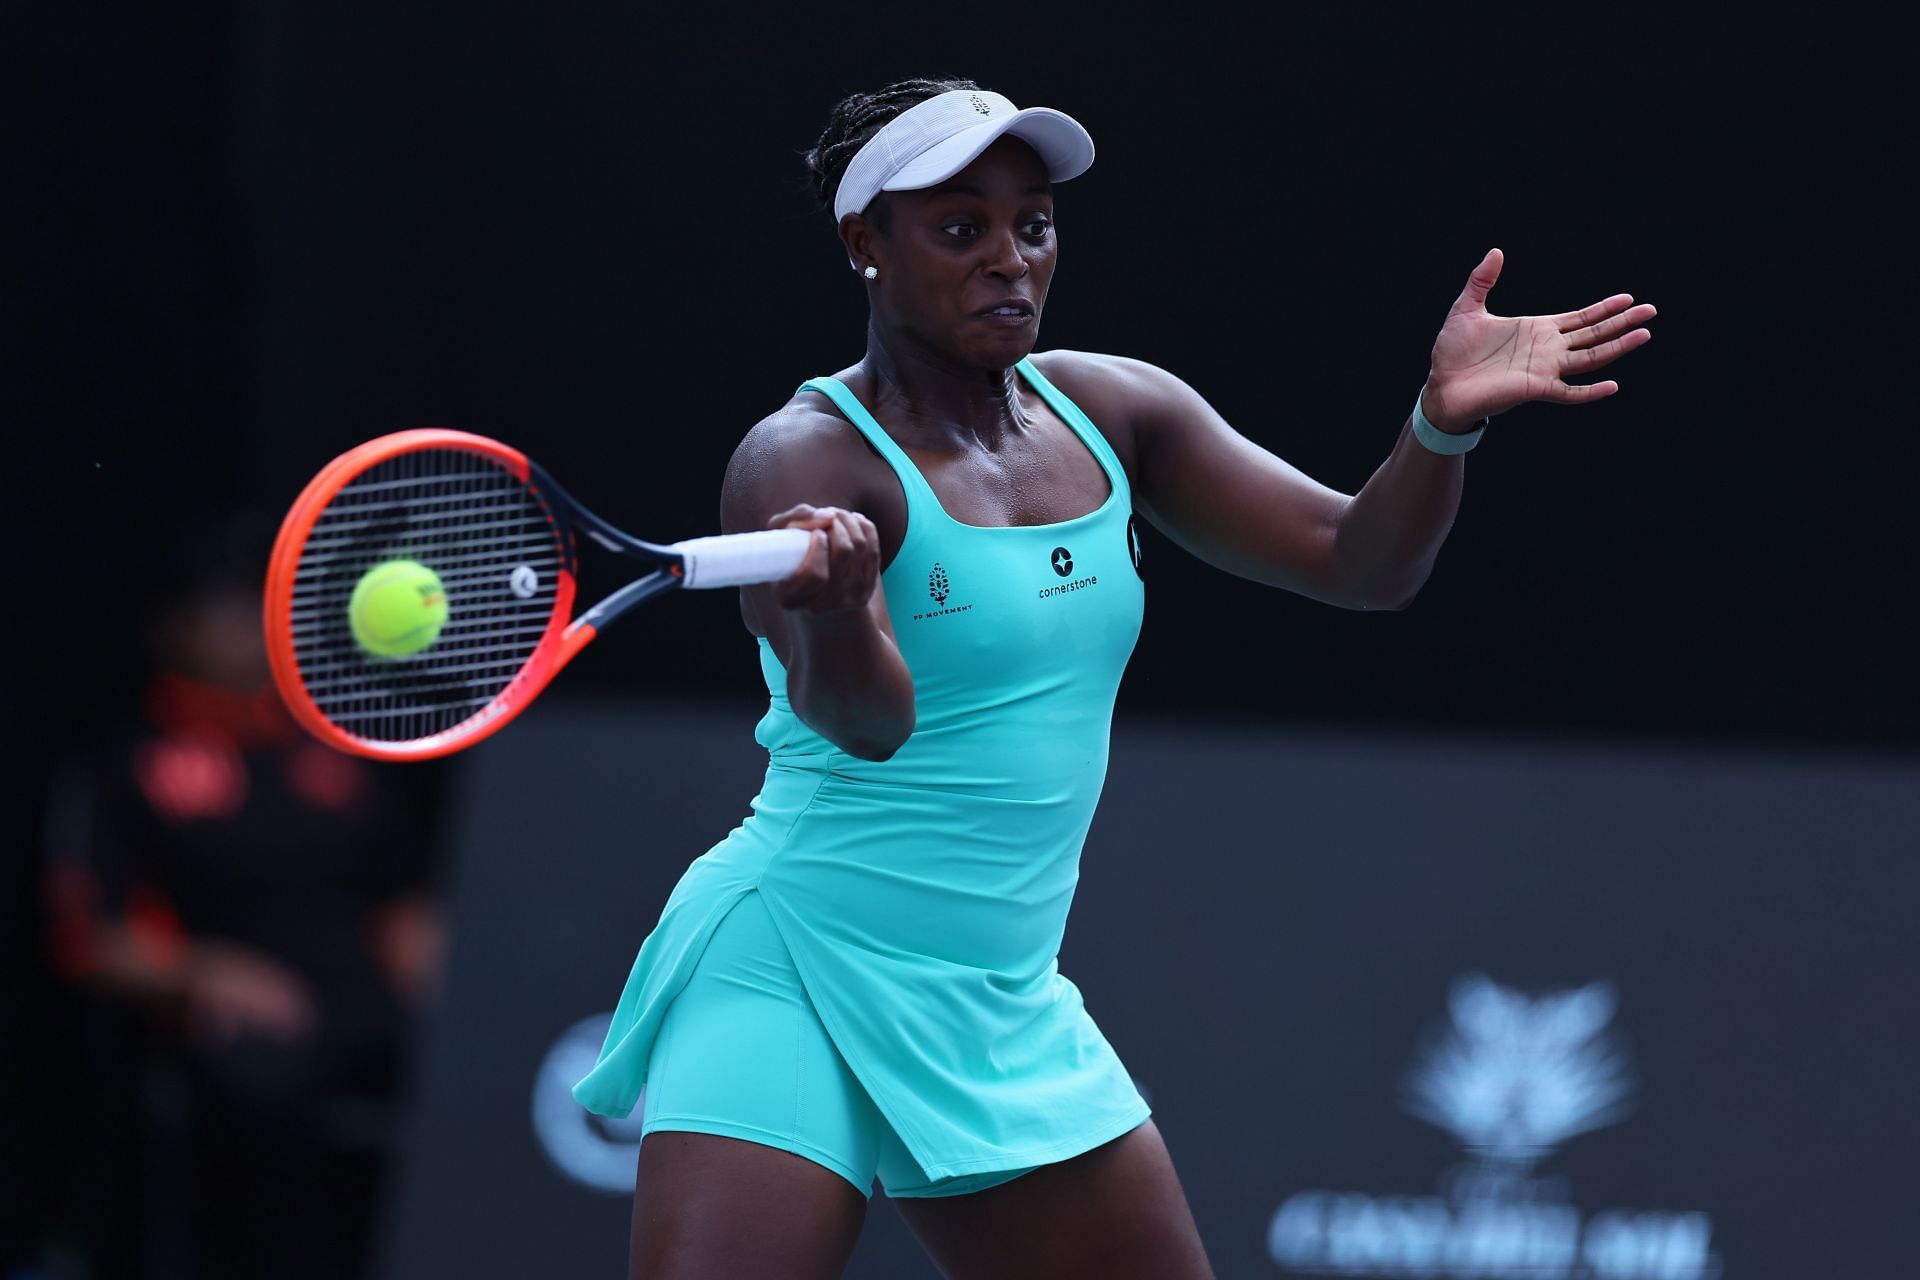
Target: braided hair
[(855, 119)]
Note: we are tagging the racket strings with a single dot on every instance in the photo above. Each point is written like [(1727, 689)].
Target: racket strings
[(498, 555)]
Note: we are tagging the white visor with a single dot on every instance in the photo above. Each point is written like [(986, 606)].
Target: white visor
[(930, 142)]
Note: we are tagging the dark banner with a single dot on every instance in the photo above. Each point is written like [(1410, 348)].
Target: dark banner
[(1404, 1007)]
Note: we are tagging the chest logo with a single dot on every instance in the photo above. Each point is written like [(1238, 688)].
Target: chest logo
[(940, 588), (1062, 562)]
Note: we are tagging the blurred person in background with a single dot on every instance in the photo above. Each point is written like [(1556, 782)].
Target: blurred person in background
[(251, 918)]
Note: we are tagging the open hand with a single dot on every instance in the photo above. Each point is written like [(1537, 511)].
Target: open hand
[(1485, 364)]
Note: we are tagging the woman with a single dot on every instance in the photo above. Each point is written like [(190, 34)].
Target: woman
[(860, 979)]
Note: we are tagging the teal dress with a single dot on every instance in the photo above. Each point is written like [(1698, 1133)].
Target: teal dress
[(924, 897)]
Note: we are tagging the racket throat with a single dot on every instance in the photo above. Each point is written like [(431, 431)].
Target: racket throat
[(596, 619)]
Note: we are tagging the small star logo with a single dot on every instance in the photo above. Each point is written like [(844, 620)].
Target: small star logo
[(1062, 561)]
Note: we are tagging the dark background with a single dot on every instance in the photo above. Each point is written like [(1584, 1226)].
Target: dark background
[(253, 236), (240, 238), (1267, 929)]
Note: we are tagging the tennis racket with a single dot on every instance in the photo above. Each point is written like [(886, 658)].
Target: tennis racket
[(501, 537)]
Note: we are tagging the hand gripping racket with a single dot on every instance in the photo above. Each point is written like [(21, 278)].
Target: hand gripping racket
[(500, 537)]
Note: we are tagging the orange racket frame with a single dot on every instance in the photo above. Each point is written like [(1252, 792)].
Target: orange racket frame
[(563, 639), (478, 478)]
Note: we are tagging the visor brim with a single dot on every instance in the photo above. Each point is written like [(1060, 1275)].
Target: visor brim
[(1064, 147)]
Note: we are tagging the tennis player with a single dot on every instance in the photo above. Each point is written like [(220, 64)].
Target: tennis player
[(861, 981)]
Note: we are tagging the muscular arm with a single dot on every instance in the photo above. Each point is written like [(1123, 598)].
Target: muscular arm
[(828, 622), (1240, 508), (1391, 531), (1237, 506)]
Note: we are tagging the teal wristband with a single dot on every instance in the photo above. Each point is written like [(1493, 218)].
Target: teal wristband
[(1443, 441)]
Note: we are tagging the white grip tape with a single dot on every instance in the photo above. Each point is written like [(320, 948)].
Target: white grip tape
[(735, 559)]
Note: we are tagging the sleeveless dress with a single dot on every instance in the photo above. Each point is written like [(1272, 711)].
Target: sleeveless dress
[(924, 897)]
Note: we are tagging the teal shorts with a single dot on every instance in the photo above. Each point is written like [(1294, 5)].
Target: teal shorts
[(741, 1053)]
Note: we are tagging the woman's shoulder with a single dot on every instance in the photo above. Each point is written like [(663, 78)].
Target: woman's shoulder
[(804, 451), (1093, 377), (1116, 392), (807, 427), (1094, 372)]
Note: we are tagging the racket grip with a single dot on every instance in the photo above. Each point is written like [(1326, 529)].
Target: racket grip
[(736, 559)]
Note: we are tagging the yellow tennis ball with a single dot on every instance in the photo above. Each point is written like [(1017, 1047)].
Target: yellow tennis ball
[(398, 608)]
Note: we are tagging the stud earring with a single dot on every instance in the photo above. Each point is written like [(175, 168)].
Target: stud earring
[(871, 273)]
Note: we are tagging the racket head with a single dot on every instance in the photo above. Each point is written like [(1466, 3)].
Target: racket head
[(483, 518)]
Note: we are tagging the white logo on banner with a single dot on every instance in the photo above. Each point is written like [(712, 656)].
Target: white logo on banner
[(594, 1151), (1516, 1076), (1513, 1077)]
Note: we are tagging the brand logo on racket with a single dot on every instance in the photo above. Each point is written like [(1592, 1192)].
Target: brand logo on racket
[(1062, 561), (523, 581)]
